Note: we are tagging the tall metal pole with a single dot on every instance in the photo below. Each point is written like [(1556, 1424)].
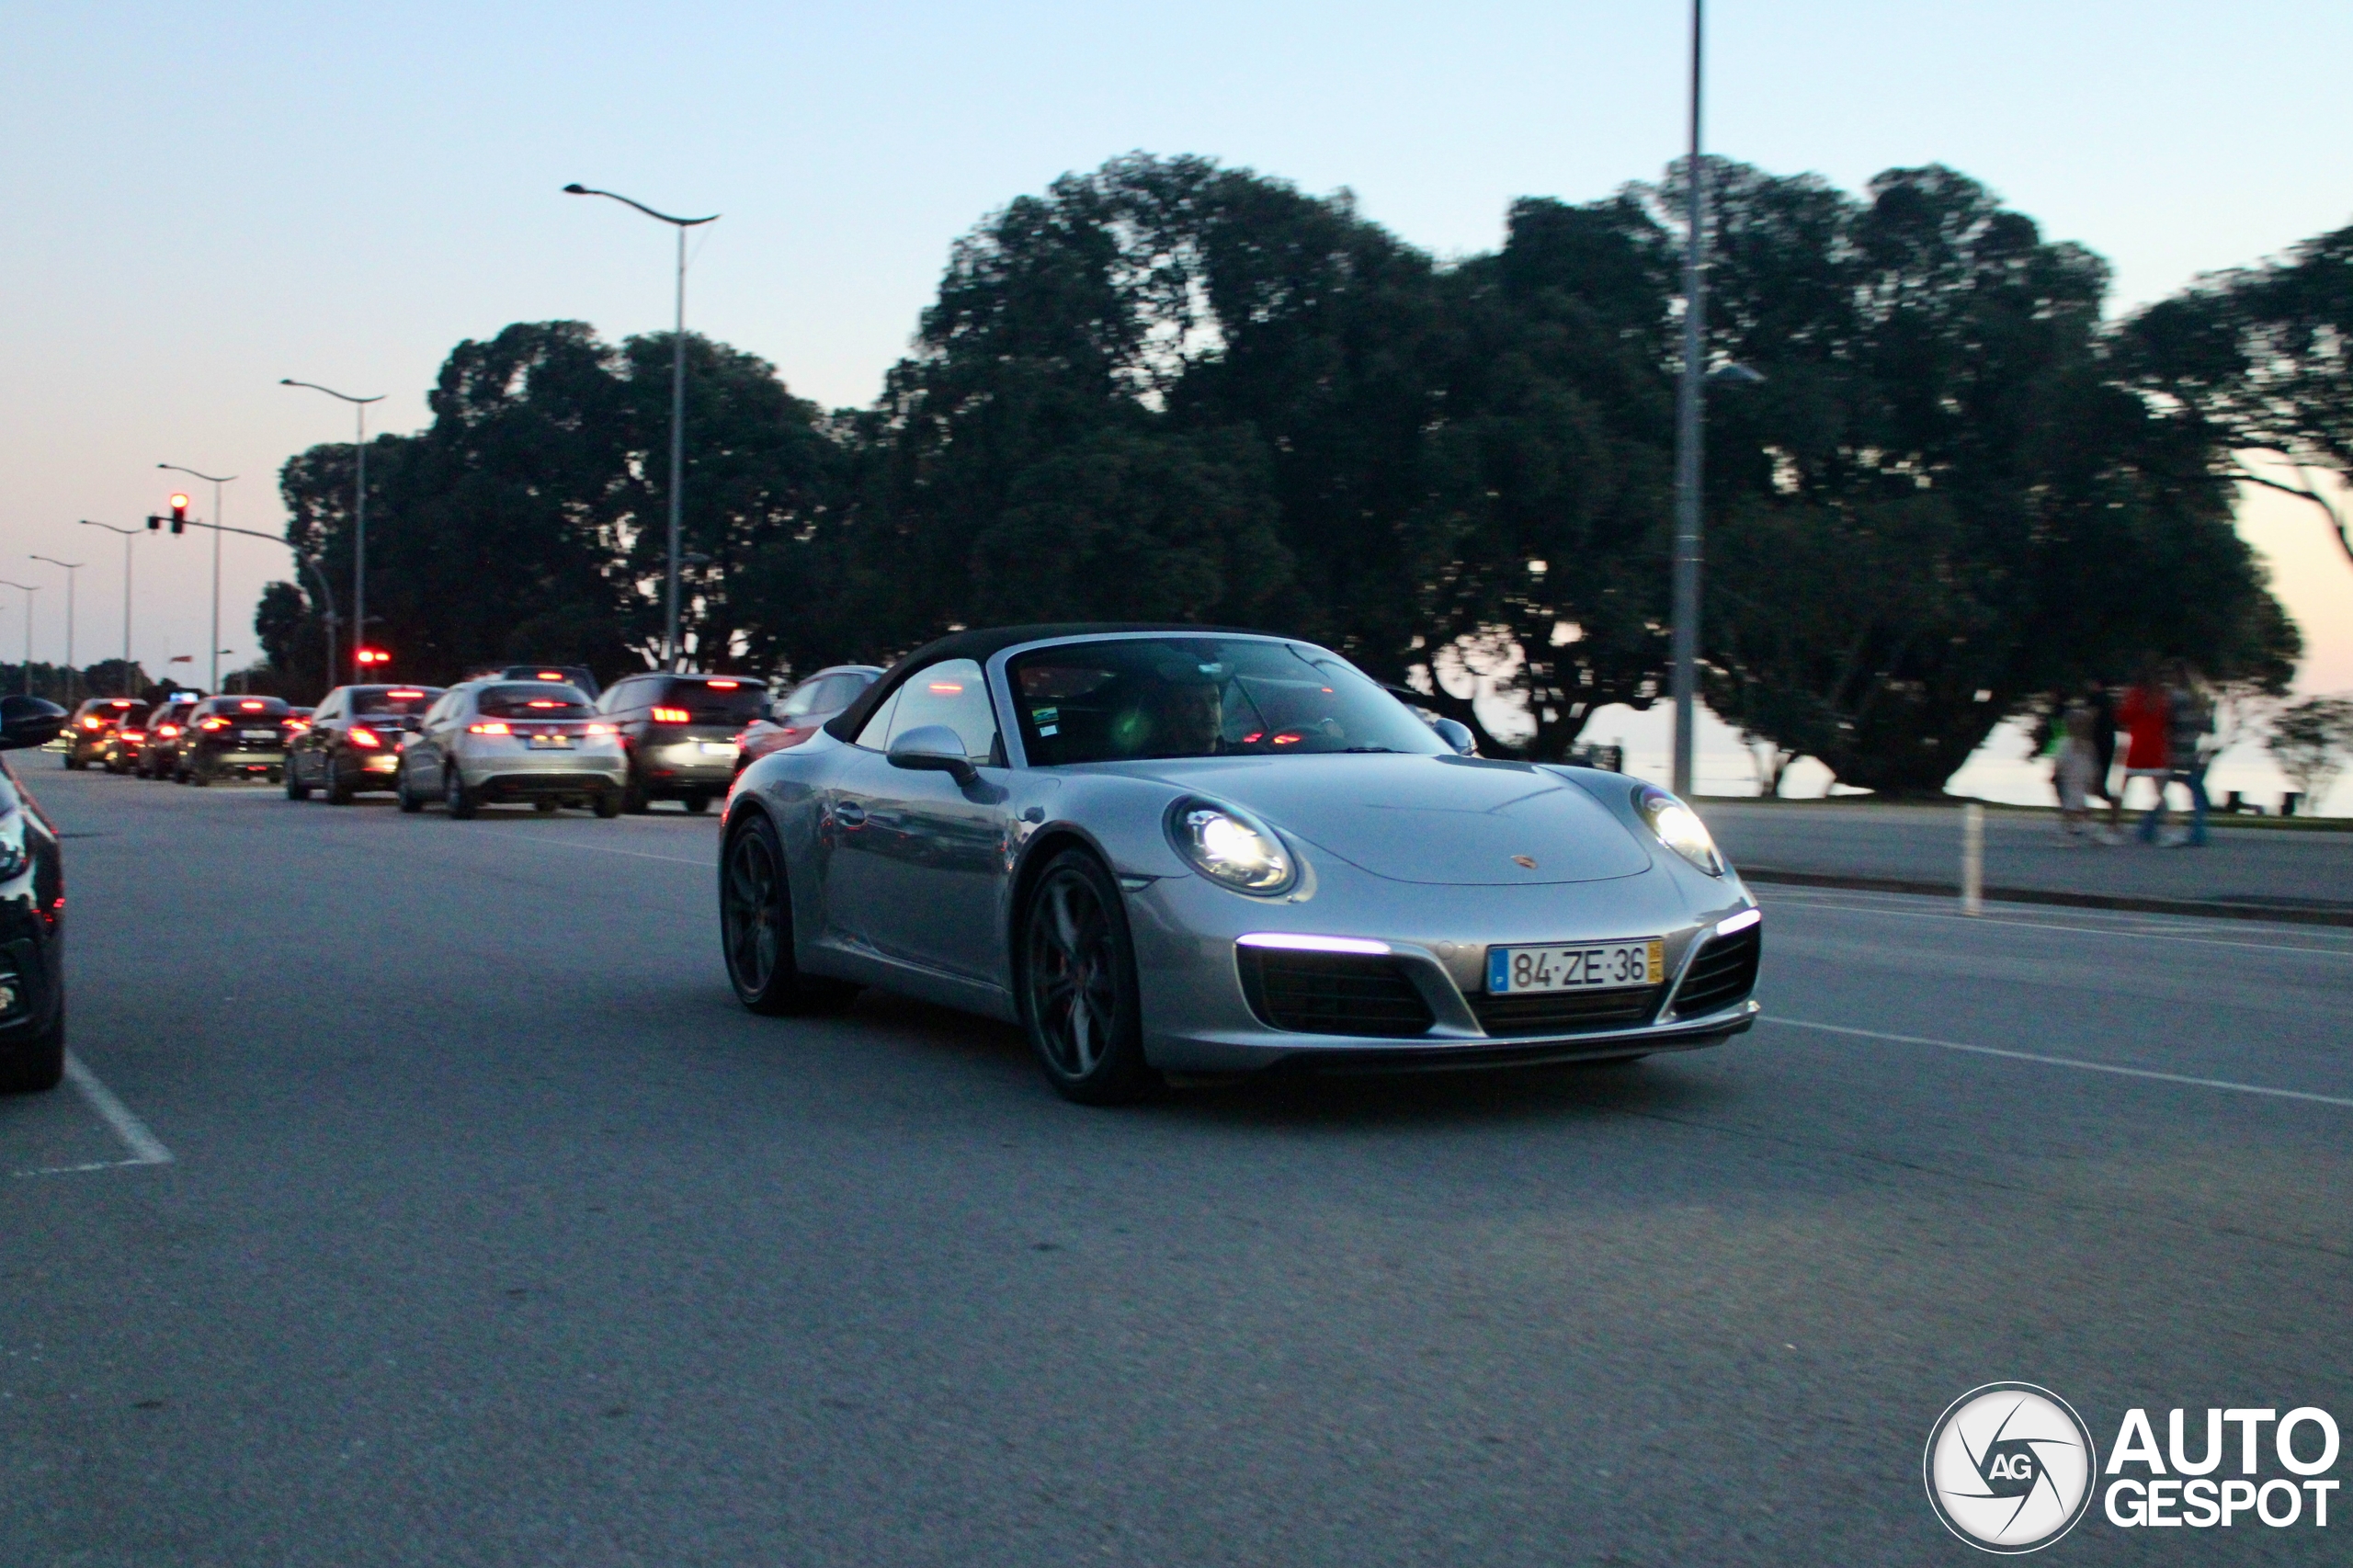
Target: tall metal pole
[(677, 413), (73, 575), (359, 521), (1688, 413), (128, 535), (216, 480)]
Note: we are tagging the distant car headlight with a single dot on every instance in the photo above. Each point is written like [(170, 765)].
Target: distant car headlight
[(1679, 828), (1231, 847)]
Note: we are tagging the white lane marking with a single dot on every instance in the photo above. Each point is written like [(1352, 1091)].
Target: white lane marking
[(2135, 933), (2076, 1063), (146, 1149), (711, 864)]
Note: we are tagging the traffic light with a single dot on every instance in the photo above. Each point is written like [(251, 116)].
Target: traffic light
[(179, 512)]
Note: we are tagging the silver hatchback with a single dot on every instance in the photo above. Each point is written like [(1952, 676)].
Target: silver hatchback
[(489, 742)]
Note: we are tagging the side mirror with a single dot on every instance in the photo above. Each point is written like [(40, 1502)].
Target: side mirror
[(934, 748), (1456, 734), (28, 721)]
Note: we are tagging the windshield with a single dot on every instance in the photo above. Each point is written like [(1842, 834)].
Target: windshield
[(246, 707), (402, 699), (1154, 696), (534, 699)]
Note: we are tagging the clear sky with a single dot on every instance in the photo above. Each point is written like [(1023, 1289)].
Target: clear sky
[(201, 199)]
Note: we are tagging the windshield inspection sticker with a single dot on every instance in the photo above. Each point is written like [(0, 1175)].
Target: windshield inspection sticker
[(2010, 1467)]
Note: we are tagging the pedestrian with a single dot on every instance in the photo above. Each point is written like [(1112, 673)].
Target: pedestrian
[(2101, 700), (2146, 714), (2078, 768), (2192, 728)]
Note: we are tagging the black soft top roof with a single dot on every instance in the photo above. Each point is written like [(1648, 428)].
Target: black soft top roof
[(983, 643)]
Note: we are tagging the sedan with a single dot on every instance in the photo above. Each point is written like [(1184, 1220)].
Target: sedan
[(32, 913), (159, 752), (93, 727), (1165, 850), (805, 711), (489, 742), (352, 742), (234, 737)]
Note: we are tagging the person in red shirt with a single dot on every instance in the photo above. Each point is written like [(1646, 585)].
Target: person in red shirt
[(2146, 714)]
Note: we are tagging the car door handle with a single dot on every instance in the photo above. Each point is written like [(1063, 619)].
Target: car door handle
[(849, 814)]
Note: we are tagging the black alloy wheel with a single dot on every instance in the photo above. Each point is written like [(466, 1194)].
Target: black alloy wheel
[(454, 793), (755, 927), (697, 803), (338, 787), (1079, 1000)]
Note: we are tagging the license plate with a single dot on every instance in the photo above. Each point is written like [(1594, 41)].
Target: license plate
[(1586, 966), (551, 743), (719, 748), (269, 736)]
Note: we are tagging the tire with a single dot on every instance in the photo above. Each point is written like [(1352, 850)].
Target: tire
[(755, 928), (410, 802), (608, 803), (698, 804), (295, 789), (1077, 985), (454, 793), (547, 807), (338, 787), (195, 777), (633, 797), (40, 1065)]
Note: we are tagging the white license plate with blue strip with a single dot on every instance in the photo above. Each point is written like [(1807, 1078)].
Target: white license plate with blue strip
[(1581, 966)]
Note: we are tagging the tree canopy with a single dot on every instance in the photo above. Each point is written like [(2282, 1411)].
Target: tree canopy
[(1171, 389)]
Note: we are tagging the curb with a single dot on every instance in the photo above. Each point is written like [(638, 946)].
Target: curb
[(2286, 914)]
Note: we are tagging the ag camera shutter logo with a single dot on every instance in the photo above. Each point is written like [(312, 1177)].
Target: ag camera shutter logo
[(2010, 1468)]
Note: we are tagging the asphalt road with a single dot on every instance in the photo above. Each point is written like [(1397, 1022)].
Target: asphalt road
[(493, 1231)]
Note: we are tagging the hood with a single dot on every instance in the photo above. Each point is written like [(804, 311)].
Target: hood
[(1455, 820)]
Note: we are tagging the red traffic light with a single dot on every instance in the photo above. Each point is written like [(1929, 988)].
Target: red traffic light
[(179, 503)]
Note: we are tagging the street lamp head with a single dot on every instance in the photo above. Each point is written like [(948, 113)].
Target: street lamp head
[(575, 188)]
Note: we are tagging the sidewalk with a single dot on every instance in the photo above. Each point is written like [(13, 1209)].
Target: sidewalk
[(2249, 872)]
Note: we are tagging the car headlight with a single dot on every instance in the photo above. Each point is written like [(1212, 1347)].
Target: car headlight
[(1231, 847), (1679, 828)]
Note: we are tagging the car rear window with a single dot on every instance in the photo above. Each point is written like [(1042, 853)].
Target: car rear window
[(394, 699), (247, 707), (722, 702), (532, 700)]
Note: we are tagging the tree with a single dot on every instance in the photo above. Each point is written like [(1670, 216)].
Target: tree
[(2312, 741), (2262, 358)]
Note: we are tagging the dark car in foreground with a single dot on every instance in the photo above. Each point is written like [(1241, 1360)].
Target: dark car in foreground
[(679, 732), (234, 737), (802, 711), (352, 742), (33, 912), (93, 725), (1173, 850)]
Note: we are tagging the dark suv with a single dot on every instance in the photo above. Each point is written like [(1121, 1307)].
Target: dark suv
[(234, 737), (93, 726), (679, 732), (33, 903), (353, 741)]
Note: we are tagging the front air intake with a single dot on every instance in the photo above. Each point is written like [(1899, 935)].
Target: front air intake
[(1724, 973), (1312, 993)]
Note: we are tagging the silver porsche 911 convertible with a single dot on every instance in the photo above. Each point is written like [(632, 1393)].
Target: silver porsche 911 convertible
[(1174, 850)]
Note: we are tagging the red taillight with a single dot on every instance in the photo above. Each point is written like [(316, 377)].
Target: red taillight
[(410, 696), (493, 727), (550, 675), (672, 716), (213, 725), (167, 731), (361, 736), (253, 707), (90, 724), (133, 734), (602, 729), (723, 684)]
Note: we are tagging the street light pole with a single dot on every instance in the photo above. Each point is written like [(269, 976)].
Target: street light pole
[(318, 578), (677, 413), (29, 591), (128, 534), (360, 521), (1688, 414), (216, 484), (73, 575)]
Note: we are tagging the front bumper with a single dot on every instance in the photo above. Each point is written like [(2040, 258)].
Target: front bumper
[(1198, 1005)]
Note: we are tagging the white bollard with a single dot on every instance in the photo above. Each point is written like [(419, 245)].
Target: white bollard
[(1972, 858)]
